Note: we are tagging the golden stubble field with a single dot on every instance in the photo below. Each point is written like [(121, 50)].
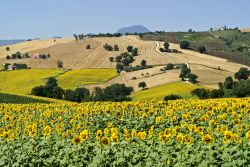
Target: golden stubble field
[(75, 56)]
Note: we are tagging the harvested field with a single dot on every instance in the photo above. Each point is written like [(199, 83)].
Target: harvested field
[(29, 46)]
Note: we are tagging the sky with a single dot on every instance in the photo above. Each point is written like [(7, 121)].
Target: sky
[(24, 19)]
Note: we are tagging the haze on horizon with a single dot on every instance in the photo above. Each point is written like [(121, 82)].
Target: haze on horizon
[(43, 19)]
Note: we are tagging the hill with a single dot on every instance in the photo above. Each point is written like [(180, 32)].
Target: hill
[(133, 29), (245, 30)]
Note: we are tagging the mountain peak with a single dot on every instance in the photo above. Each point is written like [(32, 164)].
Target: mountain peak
[(133, 29)]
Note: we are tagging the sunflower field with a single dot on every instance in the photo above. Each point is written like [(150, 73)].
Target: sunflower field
[(174, 133)]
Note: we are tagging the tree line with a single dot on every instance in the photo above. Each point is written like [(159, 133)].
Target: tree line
[(240, 87), (116, 92)]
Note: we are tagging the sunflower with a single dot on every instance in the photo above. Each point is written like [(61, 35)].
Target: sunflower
[(133, 133), (207, 139), (114, 138), (84, 135), (76, 139), (167, 132), (98, 134), (105, 140), (248, 135), (106, 131), (142, 135), (47, 130), (228, 135), (180, 137), (212, 122), (188, 140)]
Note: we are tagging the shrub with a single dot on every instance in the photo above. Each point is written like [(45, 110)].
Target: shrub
[(111, 59), (59, 64), (172, 97), (184, 45), (142, 85), (202, 49), (130, 48), (88, 46), (242, 74), (201, 93), (166, 45), (134, 52), (143, 62), (116, 47), (192, 78)]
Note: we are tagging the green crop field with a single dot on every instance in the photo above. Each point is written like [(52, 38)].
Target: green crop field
[(22, 81), (75, 78), (10, 98), (159, 92), (234, 36)]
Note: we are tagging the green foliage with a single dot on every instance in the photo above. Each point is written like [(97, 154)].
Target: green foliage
[(242, 74), (88, 46), (130, 48), (115, 93), (108, 47), (166, 45), (202, 49), (142, 85), (143, 63), (60, 64), (172, 97), (184, 45), (192, 78), (17, 99)]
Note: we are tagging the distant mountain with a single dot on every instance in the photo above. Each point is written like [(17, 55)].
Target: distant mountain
[(10, 42), (133, 29)]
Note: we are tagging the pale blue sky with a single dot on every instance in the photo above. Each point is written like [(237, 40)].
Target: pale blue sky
[(47, 18)]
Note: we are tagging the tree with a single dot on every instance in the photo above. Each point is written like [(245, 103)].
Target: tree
[(142, 85), (81, 94), (134, 52), (51, 82), (8, 57), (76, 37), (172, 97), (98, 95), (70, 95), (38, 91), (7, 48), (59, 64), (228, 83), (184, 45), (117, 92), (202, 49), (242, 74), (169, 66), (192, 78), (130, 48), (119, 67), (88, 46), (143, 62), (166, 45), (201, 93), (185, 71), (111, 59), (116, 47)]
